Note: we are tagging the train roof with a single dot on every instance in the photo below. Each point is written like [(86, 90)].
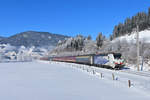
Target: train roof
[(109, 53), (89, 54)]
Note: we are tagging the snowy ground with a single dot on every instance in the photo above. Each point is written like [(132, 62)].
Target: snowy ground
[(61, 81)]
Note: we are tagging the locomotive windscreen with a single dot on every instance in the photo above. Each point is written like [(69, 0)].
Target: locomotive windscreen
[(117, 55)]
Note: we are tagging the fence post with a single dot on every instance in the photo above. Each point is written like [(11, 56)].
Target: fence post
[(113, 76), (129, 83), (93, 72), (87, 70), (101, 75)]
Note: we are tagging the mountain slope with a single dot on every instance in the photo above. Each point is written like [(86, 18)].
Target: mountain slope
[(1, 38), (33, 38)]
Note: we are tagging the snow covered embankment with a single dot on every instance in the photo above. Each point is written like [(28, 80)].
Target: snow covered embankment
[(117, 78), (144, 36)]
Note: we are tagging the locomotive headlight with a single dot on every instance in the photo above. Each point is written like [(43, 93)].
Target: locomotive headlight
[(121, 63)]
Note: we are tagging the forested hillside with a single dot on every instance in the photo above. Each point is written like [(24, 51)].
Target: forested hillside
[(142, 19)]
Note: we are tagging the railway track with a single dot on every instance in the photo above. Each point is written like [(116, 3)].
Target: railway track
[(140, 73)]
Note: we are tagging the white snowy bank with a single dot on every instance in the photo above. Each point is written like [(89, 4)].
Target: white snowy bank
[(144, 36)]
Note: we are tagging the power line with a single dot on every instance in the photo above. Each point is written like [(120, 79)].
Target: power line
[(137, 44)]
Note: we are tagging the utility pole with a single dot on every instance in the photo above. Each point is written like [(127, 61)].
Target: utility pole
[(137, 44)]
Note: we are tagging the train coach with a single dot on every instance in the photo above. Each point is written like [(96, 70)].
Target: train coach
[(106, 60)]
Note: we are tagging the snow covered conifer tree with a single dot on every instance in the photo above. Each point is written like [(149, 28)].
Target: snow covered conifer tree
[(99, 40), (149, 12), (89, 37), (149, 17)]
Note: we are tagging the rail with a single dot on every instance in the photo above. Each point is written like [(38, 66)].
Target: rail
[(140, 73)]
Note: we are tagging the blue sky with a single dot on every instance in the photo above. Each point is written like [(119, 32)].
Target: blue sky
[(68, 17)]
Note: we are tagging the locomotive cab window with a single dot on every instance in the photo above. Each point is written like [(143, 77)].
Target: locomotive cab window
[(117, 56)]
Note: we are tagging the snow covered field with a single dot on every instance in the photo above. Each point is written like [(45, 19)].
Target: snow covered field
[(61, 81)]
